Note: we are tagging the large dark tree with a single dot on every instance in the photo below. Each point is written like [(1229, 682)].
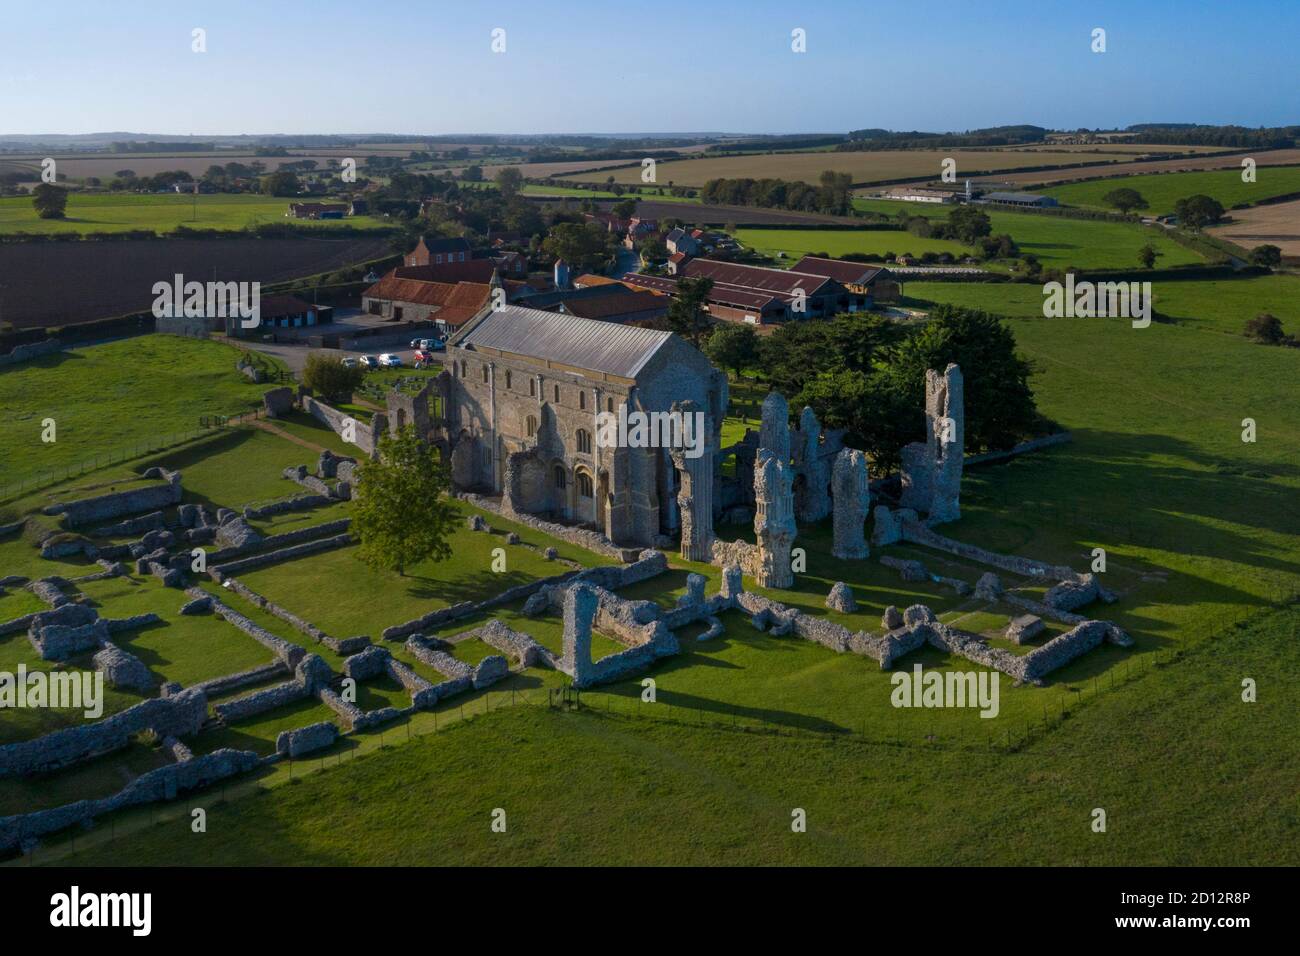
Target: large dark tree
[(1197, 212), (686, 315), (1124, 199), (50, 201)]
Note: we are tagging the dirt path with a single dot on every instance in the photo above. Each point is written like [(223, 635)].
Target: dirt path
[(280, 432)]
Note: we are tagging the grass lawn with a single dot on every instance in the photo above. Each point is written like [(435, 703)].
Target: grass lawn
[(102, 212), (237, 467), (609, 789), (365, 601), (1162, 190), (114, 400)]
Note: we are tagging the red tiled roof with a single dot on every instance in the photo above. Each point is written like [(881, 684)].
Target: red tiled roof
[(620, 300), (720, 293), (853, 273), (780, 282), (472, 270)]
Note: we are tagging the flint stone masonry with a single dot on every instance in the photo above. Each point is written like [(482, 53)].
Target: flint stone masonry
[(277, 541), (238, 535), (887, 528), (582, 537), (774, 524), (289, 654), (66, 631), (153, 521), (278, 402), (917, 533), (260, 701), (988, 587), (774, 430), (179, 715), (164, 783), (286, 505), (489, 670), (50, 590), (695, 492), (851, 496), (1115, 634), (258, 675), (115, 504), (892, 618), (582, 603), (197, 606), (122, 669), (908, 569), (345, 646), (305, 740), (220, 572), (841, 598), (932, 471), (1070, 595), (1025, 628), (522, 647), (29, 351), (364, 433), (327, 466)]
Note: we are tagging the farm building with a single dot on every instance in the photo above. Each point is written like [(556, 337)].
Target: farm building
[(317, 210), (919, 194), (612, 302), (758, 295), (282, 312), (875, 282), (1018, 199), (449, 304), (436, 250)]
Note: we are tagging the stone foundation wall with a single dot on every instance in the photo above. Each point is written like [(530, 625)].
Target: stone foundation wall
[(366, 433), (179, 715), (104, 507), (917, 533), (346, 646), (221, 572), (289, 654), (165, 783)]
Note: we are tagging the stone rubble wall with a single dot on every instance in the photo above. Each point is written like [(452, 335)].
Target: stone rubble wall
[(286, 505), (289, 654), (153, 521), (224, 685), (304, 740), (366, 433), (916, 533), (179, 715), (522, 647), (25, 353), (221, 572), (277, 541), (346, 646), (260, 701), (164, 783), (1115, 635), (582, 537), (105, 507), (122, 669)]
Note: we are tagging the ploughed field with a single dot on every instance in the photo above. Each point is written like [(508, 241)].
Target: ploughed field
[(117, 278)]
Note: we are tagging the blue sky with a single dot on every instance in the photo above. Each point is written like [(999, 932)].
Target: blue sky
[(713, 65)]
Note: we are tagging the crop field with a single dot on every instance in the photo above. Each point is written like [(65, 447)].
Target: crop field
[(1273, 157), (117, 278), (865, 167), (1162, 191), (105, 166), (123, 212), (1276, 224)]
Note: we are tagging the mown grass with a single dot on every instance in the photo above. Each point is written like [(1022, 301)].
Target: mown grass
[(591, 788), (113, 400), (114, 212), (1163, 190)]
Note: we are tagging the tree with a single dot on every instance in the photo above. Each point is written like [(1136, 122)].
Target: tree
[(624, 209), (281, 183), (733, 346), (1124, 199), (472, 174), (1266, 255), (1147, 255), (50, 201), (1265, 329), (968, 224), (328, 377), (584, 246), (402, 514), (686, 315), (1198, 211), (509, 181)]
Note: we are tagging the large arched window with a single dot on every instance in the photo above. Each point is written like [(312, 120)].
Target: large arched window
[(531, 425), (584, 484), (561, 481), (584, 441)]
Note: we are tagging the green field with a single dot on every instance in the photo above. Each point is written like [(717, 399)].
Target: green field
[(1057, 242), (117, 212), (1202, 537), (614, 789), (1161, 191), (114, 400)]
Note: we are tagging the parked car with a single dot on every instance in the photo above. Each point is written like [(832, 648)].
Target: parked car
[(424, 358), (390, 360), (349, 362), (437, 345), (369, 361)]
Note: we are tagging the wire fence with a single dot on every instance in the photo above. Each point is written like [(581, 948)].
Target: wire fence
[(123, 454)]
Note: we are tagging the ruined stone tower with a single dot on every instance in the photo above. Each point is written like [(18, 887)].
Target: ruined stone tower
[(774, 525), (812, 503), (932, 471), (695, 494), (852, 501), (774, 432)]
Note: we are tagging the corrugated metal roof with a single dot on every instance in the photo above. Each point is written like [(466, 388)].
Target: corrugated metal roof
[(583, 343)]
